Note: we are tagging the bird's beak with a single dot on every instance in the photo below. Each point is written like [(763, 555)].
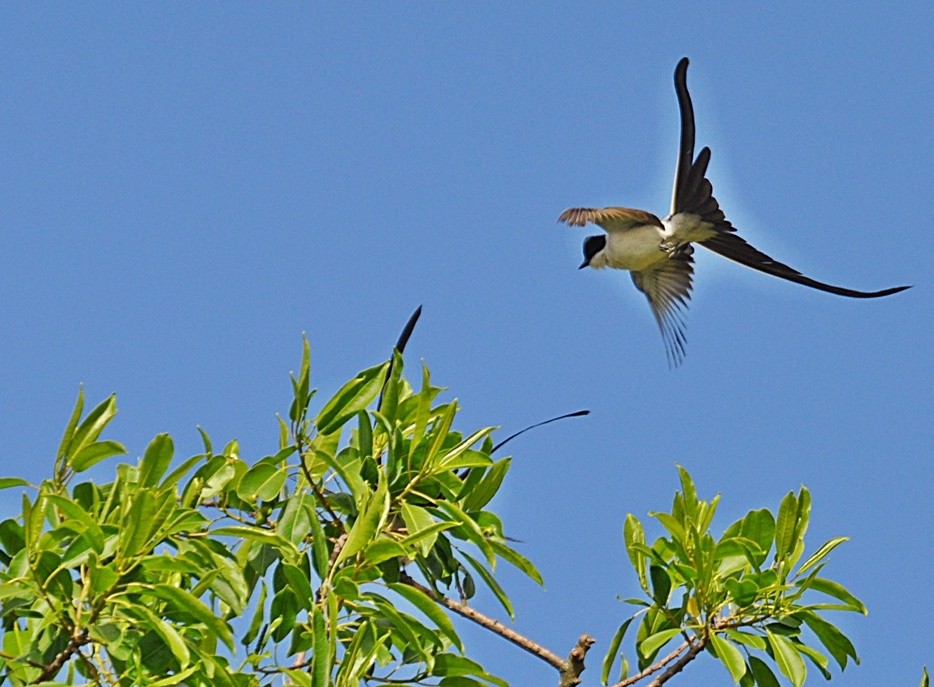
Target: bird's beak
[(584, 264)]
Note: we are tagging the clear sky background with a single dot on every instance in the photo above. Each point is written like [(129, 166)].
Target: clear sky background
[(185, 189)]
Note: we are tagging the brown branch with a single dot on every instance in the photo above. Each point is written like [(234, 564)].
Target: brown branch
[(466, 611), (678, 666), (569, 670), (655, 667), (574, 666), (79, 639)]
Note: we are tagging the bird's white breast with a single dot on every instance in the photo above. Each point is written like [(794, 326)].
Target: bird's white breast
[(634, 249)]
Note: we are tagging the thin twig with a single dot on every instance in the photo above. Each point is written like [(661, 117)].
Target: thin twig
[(678, 666), (466, 611), (655, 667)]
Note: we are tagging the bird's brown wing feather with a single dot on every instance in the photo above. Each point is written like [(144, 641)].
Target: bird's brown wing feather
[(668, 290), (610, 219)]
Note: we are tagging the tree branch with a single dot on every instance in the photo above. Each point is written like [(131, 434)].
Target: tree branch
[(568, 670), (655, 667), (574, 666), (678, 666)]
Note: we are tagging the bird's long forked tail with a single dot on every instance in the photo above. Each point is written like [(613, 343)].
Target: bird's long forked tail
[(737, 249)]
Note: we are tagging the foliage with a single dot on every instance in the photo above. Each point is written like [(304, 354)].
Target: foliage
[(729, 597), (140, 581), (337, 558)]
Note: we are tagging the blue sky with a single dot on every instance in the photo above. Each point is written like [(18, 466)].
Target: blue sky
[(185, 189)]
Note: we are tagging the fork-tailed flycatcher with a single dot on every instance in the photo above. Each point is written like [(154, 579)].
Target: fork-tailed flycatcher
[(658, 252)]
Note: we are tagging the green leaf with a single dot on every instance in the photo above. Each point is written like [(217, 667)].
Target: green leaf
[(368, 523), (661, 584), (257, 534), (763, 674), (517, 560), (470, 529), (633, 533), (259, 615), (417, 519), (91, 427), (353, 397), (156, 460), (261, 482), (759, 526), (187, 603), (837, 643), (838, 591), (7, 482), (821, 553), (491, 583), (450, 458), (431, 610), (138, 524), (168, 634), (72, 424), (925, 678), (788, 659), (613, 650), (816, 657), (300, 386), (656, 641), (730, 656), (321, 659), (481, 494), (785, 527), (95, 453), (382, 549)]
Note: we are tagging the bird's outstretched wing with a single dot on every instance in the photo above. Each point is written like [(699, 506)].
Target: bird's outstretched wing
[(693, 194), (609, 219), (668, 289)]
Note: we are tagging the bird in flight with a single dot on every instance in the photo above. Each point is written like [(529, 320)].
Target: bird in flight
[(658, 252)]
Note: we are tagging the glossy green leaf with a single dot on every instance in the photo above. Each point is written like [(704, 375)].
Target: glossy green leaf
[(431, 610), (166, 632), (353, 397), (257, 534), (730, 656), (259, 616), (8, 482), (470, 529), (838, 591), (321, 659), (821, 553), (613, 651), (89, 429), (763, 673), (661, 584), (925, 678), (634, 534), (486, 489), (517, 560), (262, 482), (156, 460), (656, 641), (368, 523), (787, 658), (839, 646), (183, 601), (490, 582), (816, 657), (92, 454), (383, 549)]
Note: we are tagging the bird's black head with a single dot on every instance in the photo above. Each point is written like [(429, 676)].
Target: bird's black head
[(592, 246)]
